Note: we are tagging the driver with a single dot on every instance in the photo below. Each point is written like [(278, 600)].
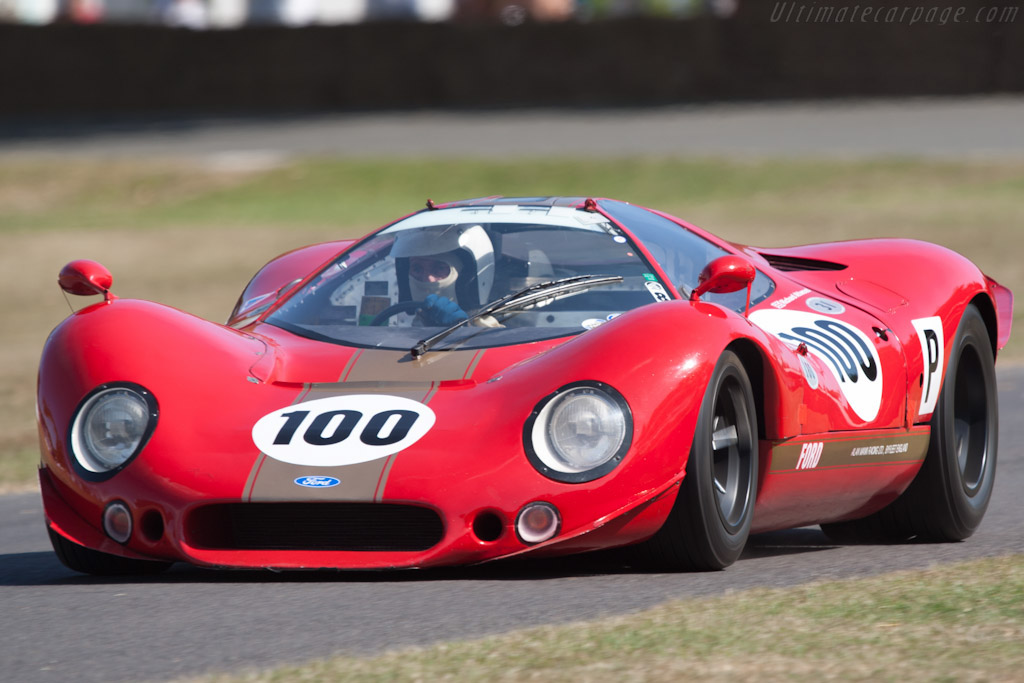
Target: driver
[(432, 280), (449, 268)]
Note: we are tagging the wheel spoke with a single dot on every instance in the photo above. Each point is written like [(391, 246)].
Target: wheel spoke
[(961, 432), (725, 437)]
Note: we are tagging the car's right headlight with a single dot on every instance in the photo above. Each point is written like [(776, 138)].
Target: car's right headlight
[(111, 427), (579, 433)]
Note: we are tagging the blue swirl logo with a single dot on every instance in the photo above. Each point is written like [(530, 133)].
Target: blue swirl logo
[(317, 482)]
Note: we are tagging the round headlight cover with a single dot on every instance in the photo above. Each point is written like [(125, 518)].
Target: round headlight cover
[(111, 426), (579, 433)]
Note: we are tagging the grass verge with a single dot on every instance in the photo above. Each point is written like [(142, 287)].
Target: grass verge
[(960, 622), (190, 234)]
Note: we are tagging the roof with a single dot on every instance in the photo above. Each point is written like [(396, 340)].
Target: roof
[(498, 200)]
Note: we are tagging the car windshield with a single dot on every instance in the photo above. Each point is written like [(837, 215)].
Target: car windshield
[(430, 270)]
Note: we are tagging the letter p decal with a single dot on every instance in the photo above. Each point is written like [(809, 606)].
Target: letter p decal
[(929, 333)]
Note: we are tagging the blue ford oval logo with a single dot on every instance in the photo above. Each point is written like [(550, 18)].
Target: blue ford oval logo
[(317, 482)]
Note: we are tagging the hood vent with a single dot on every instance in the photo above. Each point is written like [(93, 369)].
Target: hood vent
[(795, 263)]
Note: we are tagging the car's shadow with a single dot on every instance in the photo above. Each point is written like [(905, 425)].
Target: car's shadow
[(43, 568)]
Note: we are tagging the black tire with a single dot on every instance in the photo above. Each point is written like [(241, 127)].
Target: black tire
[(948, 498), (87, 561), (710, 521)]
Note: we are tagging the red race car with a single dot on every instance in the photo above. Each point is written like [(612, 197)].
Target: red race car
[(499, 377)]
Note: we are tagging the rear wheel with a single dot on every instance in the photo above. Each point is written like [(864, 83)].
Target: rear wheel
[(948, 498), (87, 561), (710, 521)]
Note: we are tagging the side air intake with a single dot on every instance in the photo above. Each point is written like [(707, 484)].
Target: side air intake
[(795, 263)]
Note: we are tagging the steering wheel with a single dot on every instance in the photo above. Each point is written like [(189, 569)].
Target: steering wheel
[(395, 309)]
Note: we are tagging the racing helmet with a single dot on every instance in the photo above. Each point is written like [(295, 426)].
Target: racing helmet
[(466, 248)]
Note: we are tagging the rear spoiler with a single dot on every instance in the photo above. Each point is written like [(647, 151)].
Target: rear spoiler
[(1004, 310)]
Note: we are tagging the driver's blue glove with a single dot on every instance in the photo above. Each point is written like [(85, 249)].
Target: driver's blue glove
[(440, 310)]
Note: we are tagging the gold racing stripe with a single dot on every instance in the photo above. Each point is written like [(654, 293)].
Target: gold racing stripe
[(379, 493), (348, 366), (254, 473), (372, 371), (375, 365), (849, 449)]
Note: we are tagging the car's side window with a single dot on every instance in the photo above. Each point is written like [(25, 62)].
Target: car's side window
[(680, 252), (683, 254)]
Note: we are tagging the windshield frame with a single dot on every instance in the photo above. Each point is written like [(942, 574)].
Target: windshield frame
[(566, 217)]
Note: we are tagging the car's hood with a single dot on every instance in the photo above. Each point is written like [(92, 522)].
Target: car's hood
[(291, 359)]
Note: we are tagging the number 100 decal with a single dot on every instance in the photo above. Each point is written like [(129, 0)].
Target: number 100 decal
[(342, 430)]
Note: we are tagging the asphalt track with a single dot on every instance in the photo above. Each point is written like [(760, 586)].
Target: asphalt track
[(943, 128), (59, 626)]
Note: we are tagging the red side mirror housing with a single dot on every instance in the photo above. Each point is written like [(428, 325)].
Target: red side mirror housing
[(729, 273), (84, 277)]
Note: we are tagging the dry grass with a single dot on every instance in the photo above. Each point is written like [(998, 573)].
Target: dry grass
[(954, 623), (62, 191), (190, 236)]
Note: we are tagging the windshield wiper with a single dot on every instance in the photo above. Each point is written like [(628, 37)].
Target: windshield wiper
[(532, 295)]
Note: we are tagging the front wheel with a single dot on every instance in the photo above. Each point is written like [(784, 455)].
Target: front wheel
[(710, 521)]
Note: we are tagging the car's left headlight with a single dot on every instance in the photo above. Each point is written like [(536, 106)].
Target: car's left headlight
[(579, 433), (112, 425)]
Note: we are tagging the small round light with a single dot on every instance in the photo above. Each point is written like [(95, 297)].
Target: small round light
[(117, 522), (537, 522), (111, 427)]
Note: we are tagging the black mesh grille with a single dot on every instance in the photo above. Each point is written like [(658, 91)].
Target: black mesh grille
[(793, 263), (314, 526)]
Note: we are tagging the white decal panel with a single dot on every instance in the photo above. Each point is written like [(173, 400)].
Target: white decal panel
[(342, 430), (847, 352), (929, 333), (657, 291)]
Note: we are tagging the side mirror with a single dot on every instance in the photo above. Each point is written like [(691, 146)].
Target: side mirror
[(725, 274), (85, 277)]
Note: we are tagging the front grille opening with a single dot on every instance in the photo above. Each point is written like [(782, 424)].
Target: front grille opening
[(795, 263), (379, 527)]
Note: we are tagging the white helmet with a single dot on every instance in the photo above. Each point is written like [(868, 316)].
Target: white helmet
[(469, 242)]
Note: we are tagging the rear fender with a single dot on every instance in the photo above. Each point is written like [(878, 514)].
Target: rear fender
[(1003, 299), (919, 291)]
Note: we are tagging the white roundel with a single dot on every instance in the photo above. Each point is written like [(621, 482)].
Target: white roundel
[(846, 351), (826, 306), (342, 430)]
